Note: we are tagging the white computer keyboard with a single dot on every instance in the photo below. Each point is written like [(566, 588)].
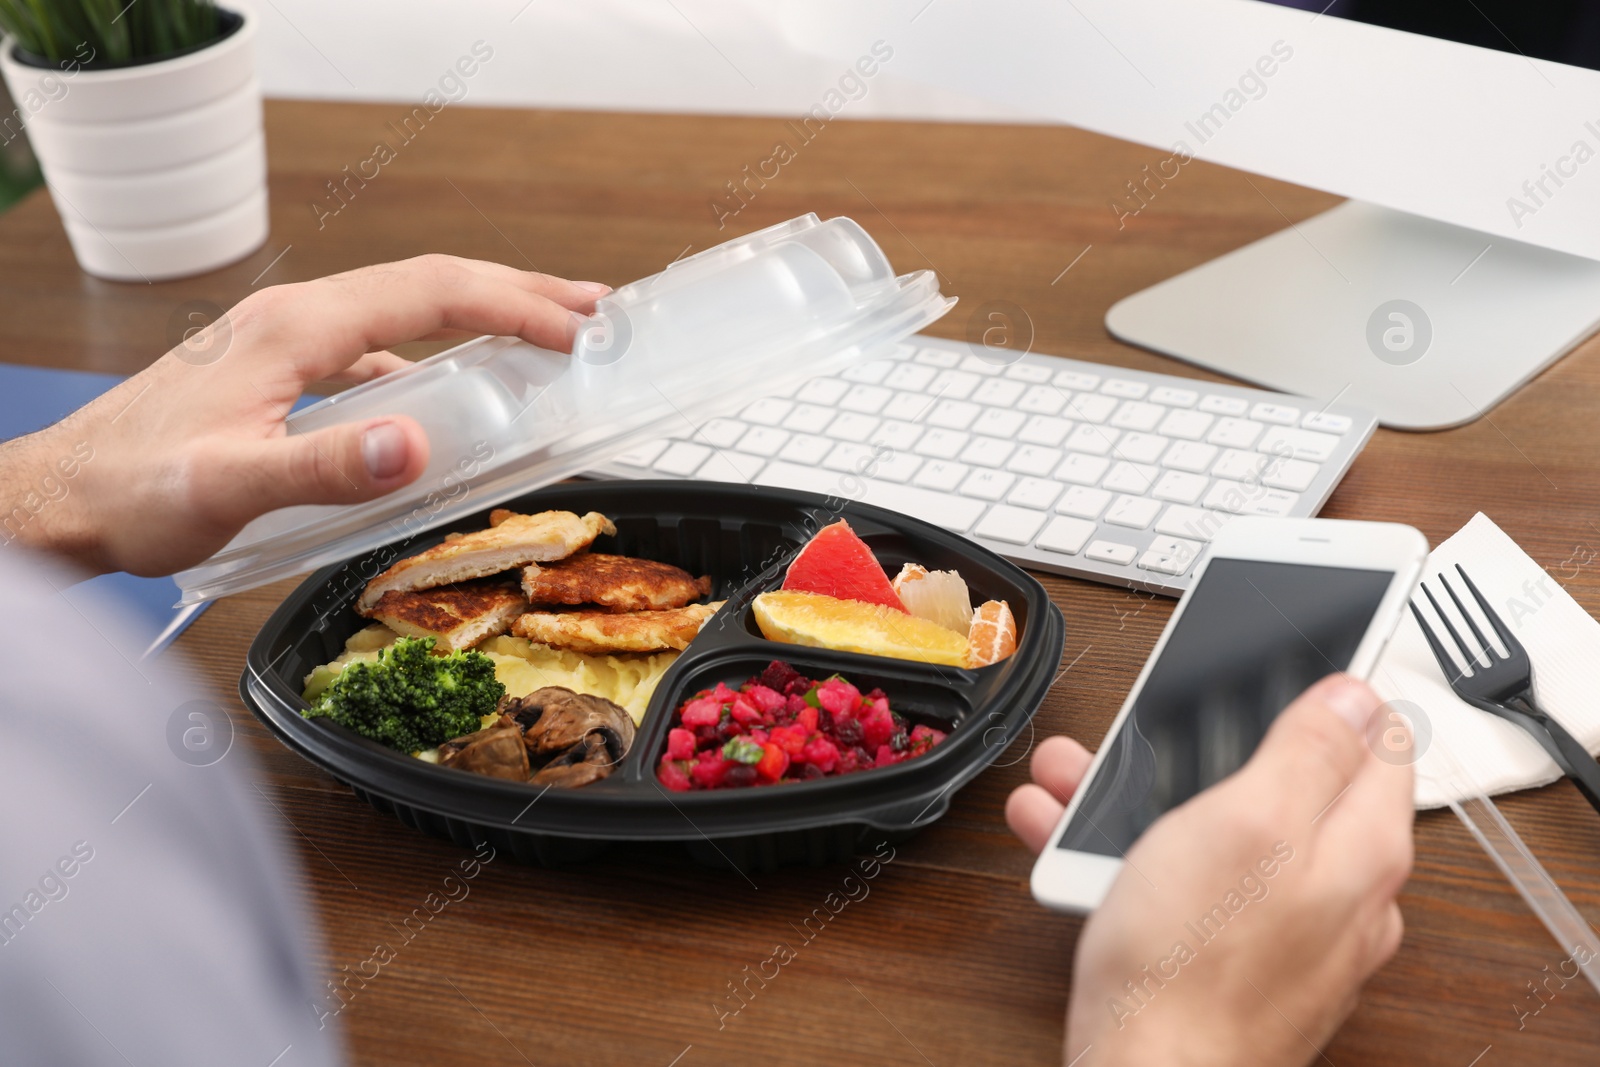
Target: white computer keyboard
[(1113, 475)]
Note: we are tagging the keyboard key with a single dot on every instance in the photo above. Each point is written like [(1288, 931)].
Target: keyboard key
[(1223, 405), (943, 475), (1065, 535), (999, 392), (987, 484), (848, 457), (1083, 502), (987, 452), (1189, 456), (768, 411), (1321, 420), (938, 357), (808, 418), (1274, 502), (1034, 493), (953, 384), (726, 465), (763, 441), (1042, 400), (1279, 414), (1126, 388), (1111, 552), (908, 407), (942, 444), (997, 422), (850, 426), (1298, 444), (1192, 523), (682, 458), (1044, 430), (869, 373), (1135, 512), (867, 399), (1092, 440), (1031, 373), (1189, 425), (953, 414), (1073, 379), (1082, 469), (1170, 555), (1173, 398), (1295, 475), (825, 391), (1014, 526), (806, 448), (1131, 477), (1138, 415), (896, 467), (912, 376), (991, 363), (1034, 459), (1240, 466), (1087, 407), (1235, 433), (643, 455), (1179, 486), (899, 436), (1141, 447), (1242, 499), (951, 512)]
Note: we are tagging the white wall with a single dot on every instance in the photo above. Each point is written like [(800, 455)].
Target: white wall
[(717, 56)]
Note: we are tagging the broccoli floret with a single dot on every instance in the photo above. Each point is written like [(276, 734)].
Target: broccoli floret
[(410, 699)]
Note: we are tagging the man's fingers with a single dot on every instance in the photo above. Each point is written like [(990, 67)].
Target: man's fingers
[(1364, 841), (324, 326), (344, 464), (1315, 748), (1059, 764), (370, 366), (1032, 813)]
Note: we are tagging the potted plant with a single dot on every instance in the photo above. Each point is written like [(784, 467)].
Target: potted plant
[(146, 120)]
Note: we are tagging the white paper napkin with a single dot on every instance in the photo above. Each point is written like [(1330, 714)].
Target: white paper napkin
[(1562, 640)]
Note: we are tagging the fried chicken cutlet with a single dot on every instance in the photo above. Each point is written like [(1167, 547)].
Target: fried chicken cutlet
[(598, 632), (458, 616), (512, 541), (614, 583)]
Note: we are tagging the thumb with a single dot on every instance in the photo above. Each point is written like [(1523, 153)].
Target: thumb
[(1316, 747), (345, 464)]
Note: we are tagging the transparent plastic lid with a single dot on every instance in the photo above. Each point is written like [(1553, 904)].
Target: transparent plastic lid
[(705, 337)]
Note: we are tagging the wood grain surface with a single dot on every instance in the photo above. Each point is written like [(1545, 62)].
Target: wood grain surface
[(947, 960)]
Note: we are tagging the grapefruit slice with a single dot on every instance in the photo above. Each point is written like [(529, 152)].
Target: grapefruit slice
[(853, 626), (993, 635), (837, 563)]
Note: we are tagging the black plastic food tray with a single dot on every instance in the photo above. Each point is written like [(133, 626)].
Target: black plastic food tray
[(744, 538)]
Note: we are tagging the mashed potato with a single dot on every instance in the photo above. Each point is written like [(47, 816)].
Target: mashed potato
[(523, 666)]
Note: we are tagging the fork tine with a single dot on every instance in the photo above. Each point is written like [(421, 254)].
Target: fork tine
[(1470, 657), (1451, 673), (1488, 649), (1513, 646)]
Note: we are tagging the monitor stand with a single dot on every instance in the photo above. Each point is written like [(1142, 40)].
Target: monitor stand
[(1429, 325)]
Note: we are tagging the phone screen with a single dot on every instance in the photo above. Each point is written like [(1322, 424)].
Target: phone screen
[(1252, 637)]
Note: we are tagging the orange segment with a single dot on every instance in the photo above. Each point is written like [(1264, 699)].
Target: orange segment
[(993, 635), (855, 626)]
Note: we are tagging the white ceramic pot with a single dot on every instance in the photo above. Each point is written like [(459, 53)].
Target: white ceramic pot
[(157, 169)]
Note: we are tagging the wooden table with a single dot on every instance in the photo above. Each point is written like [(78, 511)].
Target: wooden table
[(948, 961)]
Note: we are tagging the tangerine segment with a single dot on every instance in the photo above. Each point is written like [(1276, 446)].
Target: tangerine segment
[(993, 635), (855, 626)]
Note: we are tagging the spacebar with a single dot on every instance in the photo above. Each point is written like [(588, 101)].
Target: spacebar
[(952, 512)]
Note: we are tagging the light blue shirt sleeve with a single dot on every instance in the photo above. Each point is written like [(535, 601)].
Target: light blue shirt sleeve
[(148, 913)]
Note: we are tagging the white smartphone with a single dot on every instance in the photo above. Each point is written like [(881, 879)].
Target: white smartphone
[(1274, 606)]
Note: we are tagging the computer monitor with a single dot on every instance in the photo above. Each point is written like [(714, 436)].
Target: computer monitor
[(1466, 135)]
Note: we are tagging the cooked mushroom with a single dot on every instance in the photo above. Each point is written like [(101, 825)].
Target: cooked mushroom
[(496, 751), (571, 738)]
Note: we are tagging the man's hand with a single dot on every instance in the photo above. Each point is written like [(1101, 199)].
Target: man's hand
[(163, 470), (1244, 922)]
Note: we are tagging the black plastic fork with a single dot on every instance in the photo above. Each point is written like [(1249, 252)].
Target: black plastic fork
[(1503, 685)]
